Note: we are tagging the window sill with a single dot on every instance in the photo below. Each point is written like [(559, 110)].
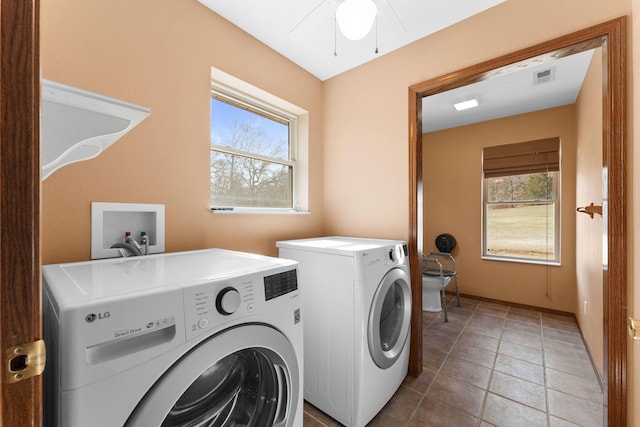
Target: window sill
[(522, 260), (258, 211)]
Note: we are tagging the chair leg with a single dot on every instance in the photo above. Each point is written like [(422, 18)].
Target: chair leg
[(457, 290), (444, 305)]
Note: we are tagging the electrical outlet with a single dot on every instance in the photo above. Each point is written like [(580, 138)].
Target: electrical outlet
[(584, 308)]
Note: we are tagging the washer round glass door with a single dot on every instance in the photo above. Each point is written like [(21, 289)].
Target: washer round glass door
[(390, 318), (246, 376)]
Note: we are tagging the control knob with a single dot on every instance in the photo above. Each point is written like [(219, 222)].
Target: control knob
[(227, 301)]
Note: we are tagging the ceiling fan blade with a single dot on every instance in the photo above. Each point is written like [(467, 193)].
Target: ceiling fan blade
[(395, 15), (322, 14)]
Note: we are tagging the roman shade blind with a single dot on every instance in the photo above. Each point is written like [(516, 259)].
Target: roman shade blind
[(542, 155)]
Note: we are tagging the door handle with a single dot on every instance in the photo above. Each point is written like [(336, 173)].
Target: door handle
[(590, 210)]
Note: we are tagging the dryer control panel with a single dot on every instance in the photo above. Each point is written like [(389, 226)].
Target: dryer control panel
[(398, 253)]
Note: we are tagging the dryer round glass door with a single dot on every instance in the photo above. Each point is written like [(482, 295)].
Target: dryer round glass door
[(243, 376), (390, 318)]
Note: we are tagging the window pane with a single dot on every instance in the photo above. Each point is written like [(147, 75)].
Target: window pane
[(535, 186), (245, 182), (249, 131), (522, 231)]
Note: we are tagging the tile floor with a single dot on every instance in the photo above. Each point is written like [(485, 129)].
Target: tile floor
[(494, 365)]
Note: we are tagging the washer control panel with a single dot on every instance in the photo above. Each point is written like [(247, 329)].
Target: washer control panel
[(217, 302), (228, 301), (278, 284), (209, 305)]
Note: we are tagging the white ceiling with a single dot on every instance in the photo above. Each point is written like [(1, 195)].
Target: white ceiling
[(509, 94), (304, 30)]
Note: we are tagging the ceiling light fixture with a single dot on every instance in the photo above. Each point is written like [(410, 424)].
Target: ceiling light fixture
[(355, 18), (465, 105)]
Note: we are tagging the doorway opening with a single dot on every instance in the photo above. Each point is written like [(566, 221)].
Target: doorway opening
[(611, 38)]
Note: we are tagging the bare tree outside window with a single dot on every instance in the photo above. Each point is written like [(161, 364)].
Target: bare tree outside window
[(251, 163)]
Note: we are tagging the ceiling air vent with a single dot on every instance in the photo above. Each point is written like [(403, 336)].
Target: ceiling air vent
[(544, 76)]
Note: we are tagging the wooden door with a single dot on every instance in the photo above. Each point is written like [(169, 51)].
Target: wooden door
[(20, 404)]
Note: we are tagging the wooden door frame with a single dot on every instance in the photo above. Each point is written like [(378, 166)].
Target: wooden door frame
[(611, 36), (20, 318)]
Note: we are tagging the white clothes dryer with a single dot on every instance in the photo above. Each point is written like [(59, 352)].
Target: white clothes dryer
[(357, 304), (209, 337)]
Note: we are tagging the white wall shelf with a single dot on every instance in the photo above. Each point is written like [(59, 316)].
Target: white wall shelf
[(79, 125)]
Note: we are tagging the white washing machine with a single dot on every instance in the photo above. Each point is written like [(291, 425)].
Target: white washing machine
[(210, 337), (357, 304)]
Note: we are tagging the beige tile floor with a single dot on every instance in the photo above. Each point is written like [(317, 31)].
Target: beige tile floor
[(494, 365)]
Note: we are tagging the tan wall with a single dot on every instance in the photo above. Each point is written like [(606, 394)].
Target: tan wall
[(452, 171), (365, 111), (160, 56), (359, 134), (357, 102), (588, 230)]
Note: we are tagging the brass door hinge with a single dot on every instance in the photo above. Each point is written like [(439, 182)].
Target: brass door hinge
[(25, 361)]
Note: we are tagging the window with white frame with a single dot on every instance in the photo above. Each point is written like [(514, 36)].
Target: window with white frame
[(521, 201), (254, 152)]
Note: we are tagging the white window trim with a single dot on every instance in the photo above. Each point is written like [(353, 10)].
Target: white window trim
[(557, 239), (235, 88)]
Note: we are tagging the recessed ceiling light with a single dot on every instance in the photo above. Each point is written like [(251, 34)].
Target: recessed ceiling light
[(464, 105)]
